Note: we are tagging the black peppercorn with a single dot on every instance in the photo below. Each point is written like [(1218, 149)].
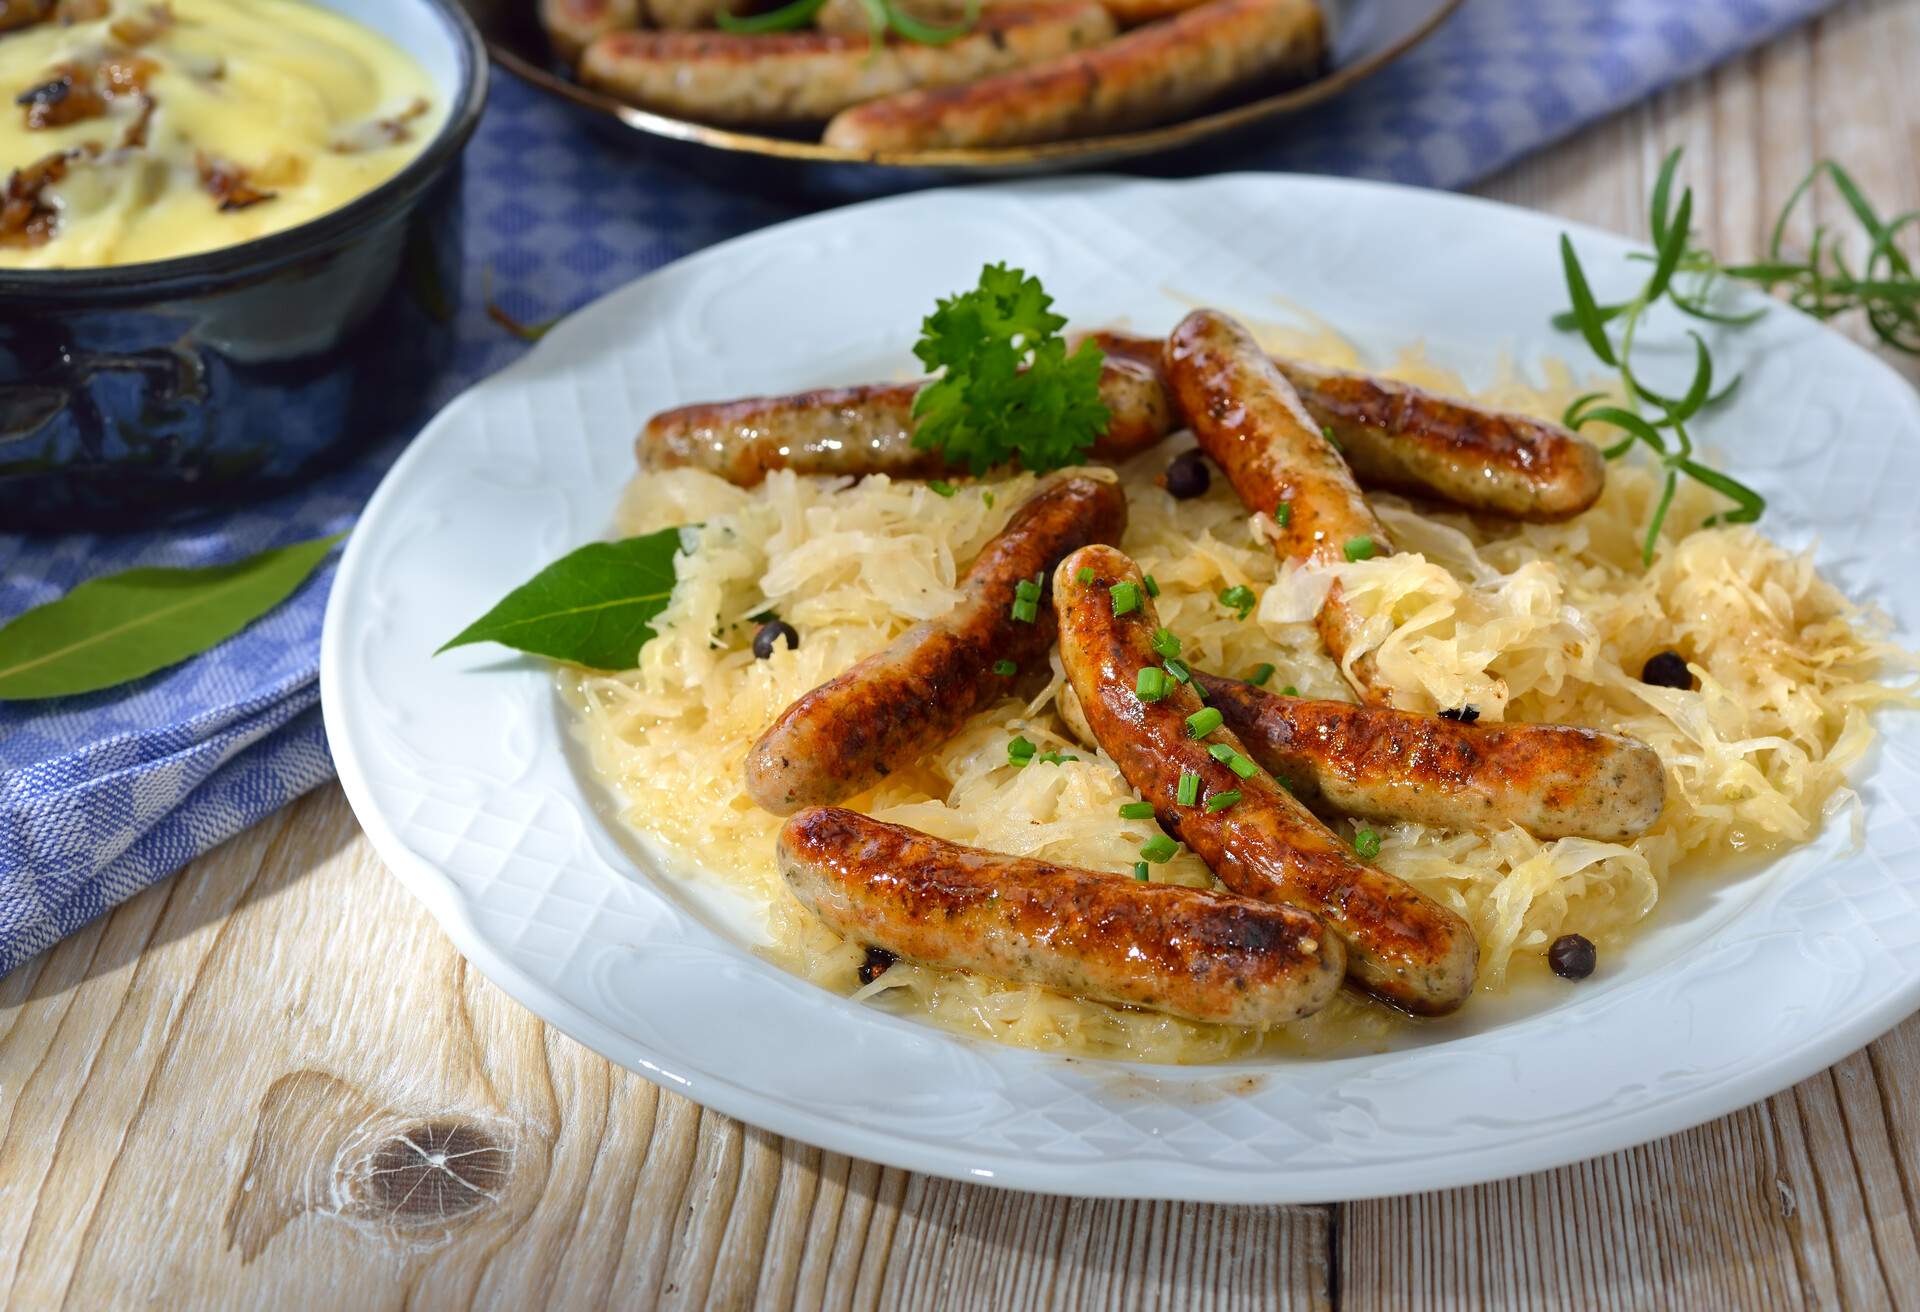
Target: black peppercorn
[(1188, 476), (770, 633), (1572, 956), (878, 959), (1667, 670), (1464, 714)]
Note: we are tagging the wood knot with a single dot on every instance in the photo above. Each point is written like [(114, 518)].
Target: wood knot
[(432, 1172)]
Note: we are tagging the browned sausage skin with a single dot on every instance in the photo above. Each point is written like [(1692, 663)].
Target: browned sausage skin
[(1187, 952), (845, 735), (1400, 438), (865, 430), (805, 77), (1248, 418), (1553, 780), (1149, 75), (1401, 945), (573, 25)]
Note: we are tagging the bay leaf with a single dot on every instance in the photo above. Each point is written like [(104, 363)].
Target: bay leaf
[(120, 627), (593, 607)]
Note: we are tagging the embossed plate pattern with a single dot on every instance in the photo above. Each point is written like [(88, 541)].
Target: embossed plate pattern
[(458, 767)]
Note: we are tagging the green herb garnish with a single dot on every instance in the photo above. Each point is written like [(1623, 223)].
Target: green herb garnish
[(940, 487), (120, 627), (1187, 792), (1009, 391), (1283, 514), (1261, 673), (1083, 575), (1136, 810), (1204, 721), (1823, 283), (1152, 586), (1126, 598), (1367, 844), (1239, 599), (1360, 548), (1221, 801), (1005, 669), (593, 607), (1152, 684), (1140, 871), (1159, 849), (1165, 644), (1020, 751)]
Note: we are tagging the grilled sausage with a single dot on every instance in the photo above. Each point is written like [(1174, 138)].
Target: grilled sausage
[(1150, 75), (1250, 421), (803, 77), (1401, 945), (1402, 439), (1184, 951), (865, 430), (573, 25), (1553, 780), (851, 15), (893, 706)]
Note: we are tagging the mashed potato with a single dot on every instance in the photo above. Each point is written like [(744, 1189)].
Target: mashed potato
[(1525, 622)]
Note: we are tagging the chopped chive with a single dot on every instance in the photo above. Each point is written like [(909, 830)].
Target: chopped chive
[(1240, 598), (1221, 801), (1204, 721), (1283, 514), (940, 487), (1140, 871), (1326, 431), (1189, 790), (1243, 766), (1153, 586), (988, 498), (1020, 751), (1360, 548), (1126, 598), (1289, 691), (1367, 844), (1221, 753), (1026, 611), (1083, 575), (1159, 849), (1026, 590), (1152, 684), (1005, 668), (1056, 758), (1165, 644), (1261, 673), (1178, 669), (1136, 810)]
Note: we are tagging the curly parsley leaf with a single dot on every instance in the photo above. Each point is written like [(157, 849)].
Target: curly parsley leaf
[(1010, 390)]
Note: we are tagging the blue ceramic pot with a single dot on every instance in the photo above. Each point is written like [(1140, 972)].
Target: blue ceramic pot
[(147, 392)]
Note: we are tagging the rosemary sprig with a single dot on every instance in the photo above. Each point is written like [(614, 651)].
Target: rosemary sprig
[(1823, 283), (1647, 417)]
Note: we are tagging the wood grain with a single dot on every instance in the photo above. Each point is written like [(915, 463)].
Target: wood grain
[(271, 1082)]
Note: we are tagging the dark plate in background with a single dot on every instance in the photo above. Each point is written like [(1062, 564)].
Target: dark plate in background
[(1367, 35)]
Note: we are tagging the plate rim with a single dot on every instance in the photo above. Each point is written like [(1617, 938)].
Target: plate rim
[(1185, 1180), (972, 160)]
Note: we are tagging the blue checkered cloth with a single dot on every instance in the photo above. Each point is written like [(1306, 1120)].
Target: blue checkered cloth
[(102, 795)]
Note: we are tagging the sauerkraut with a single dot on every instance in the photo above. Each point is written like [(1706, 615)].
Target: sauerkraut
[(1524, 622)]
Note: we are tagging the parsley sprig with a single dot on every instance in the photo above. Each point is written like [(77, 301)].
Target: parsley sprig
[(1010, 390), (1823, 283)]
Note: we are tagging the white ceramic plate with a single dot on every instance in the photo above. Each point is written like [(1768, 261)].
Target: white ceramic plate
[(460, 770)]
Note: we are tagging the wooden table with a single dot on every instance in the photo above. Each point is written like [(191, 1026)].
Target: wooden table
[(271, 1082)]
